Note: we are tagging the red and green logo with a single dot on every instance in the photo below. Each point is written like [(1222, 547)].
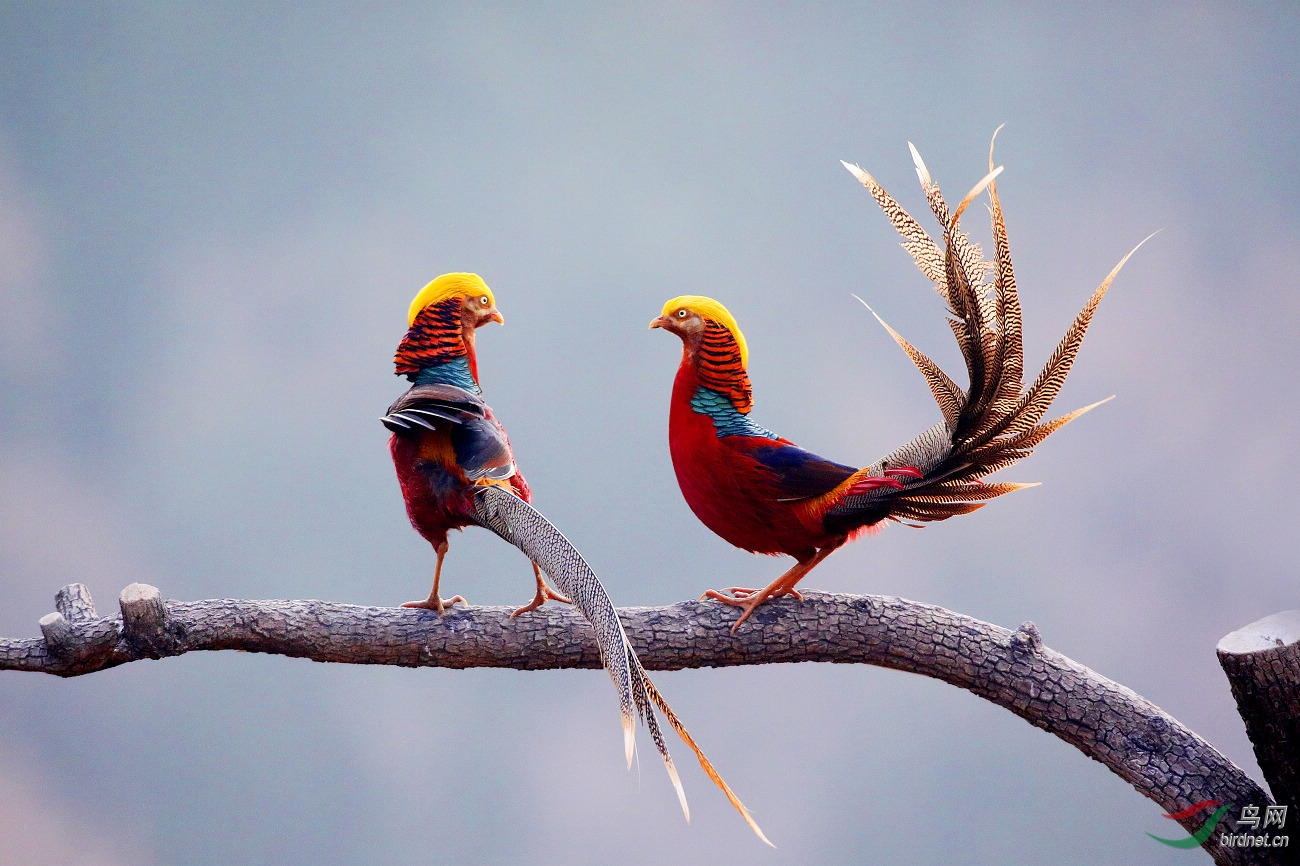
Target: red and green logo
[(1199, 837)]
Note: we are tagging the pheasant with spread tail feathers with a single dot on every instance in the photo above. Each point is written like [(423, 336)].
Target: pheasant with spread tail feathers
[(764, 494), (456, 469)]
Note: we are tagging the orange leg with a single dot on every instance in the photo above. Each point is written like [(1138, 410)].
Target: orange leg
[(544, 594), (434, 602), (749, 599)]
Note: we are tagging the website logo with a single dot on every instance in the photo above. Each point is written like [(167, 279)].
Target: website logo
[(1274, 816), (1198, 838)]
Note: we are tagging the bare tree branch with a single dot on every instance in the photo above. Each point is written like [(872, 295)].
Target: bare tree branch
[(1132, 737)]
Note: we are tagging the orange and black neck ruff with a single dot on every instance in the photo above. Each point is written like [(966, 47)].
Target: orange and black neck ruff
[(436, 337), (721, 368)]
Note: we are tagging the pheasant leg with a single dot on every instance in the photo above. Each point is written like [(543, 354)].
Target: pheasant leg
[(544, 594), (434, 601)]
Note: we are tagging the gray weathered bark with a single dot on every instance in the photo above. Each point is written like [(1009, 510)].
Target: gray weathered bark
[(1262, 661), (1132, 737)]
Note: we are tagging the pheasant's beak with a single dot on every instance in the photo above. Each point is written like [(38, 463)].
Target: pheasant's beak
[(495, 316), (661, 322)]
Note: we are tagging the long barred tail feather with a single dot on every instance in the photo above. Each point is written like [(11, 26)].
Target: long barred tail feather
[(946, 392), (641, 693), (523, 526), (705, 764), (996, 421)]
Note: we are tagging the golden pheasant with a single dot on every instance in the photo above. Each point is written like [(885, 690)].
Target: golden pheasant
[(764, 494), (456, 469)]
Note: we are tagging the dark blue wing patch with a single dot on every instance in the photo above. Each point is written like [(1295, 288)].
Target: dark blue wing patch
[(800, 473), (482, 450)]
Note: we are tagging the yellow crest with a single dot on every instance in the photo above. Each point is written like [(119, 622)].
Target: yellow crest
[(708, 308), (447, 286)]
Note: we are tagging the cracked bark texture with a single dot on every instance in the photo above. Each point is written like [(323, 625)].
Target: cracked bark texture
[(1262, 661), (1132, 737)]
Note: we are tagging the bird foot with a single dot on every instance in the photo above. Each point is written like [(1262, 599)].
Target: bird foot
[(741, 592), (433, 602), (748, 600), (544, 594)]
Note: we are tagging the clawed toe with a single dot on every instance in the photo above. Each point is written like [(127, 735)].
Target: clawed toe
[(748, 600), (540, 599), (740, 591), (435, 603), (544, 594), (737, 595), (737, 598)]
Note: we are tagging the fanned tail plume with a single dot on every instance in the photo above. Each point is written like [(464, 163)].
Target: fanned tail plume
[(996, 421), (523, 526)]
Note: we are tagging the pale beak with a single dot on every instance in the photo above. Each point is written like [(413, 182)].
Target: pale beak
[(495, 316), (661, 322)]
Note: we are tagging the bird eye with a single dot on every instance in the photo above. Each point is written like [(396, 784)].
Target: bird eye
[(483, 300), (681, 314)]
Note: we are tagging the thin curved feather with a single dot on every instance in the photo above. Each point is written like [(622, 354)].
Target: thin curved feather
[(523, 526), (945, 391), (1038, 399)]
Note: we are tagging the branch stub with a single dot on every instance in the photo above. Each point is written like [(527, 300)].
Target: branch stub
[(144, 620), (75, 603), (1026, 639), (1262, 663), (59, 637)]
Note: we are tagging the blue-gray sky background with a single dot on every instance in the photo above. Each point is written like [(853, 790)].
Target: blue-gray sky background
[(212, 219)]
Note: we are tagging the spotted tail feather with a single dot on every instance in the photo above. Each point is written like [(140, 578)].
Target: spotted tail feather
[(996, 421), (707, 765), (523, 526)]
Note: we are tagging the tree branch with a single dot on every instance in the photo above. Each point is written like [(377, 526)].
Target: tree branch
[(1132, 737)]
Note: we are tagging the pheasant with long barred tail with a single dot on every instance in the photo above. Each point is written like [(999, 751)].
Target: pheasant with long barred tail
[(456, 469), (764, 494)]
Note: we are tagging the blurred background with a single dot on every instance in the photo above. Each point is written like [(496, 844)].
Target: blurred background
[(213, 217)]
